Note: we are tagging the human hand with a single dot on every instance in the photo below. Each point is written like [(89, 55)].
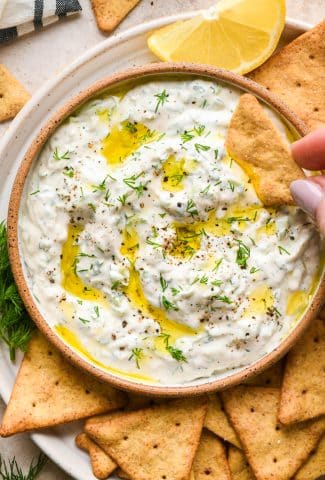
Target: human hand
[(309, 194)]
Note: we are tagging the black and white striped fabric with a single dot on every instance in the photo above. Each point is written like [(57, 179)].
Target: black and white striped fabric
[(18, 17)]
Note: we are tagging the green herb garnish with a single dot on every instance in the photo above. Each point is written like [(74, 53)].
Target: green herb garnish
[(201, 148), (163, 283), (131, 182), (137, 354), (176, 353), (11, 471), (283, 250), (61, 156), (243, 254), (161, 99), (222, 298), (186, 136), (191, 208), (15, 325), (167, 304)]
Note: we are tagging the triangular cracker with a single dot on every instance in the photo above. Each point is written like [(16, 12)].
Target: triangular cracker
[(49, 391), (101, 463), (158, 442), (314, 468), (258, 147), (303, 388), (217, 421), (238, 464), (210, 460), (110, 13), (296, 75), (273, 451), (13, 95)]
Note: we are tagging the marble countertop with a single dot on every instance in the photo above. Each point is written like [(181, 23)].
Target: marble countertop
[(35, 58)]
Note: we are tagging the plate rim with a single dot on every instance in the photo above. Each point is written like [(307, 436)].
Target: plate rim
[(40, 438)]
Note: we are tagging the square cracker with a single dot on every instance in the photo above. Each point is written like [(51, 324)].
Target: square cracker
[(217, 421), (303, 388), (109, 13), (101, 463), (259, 148), (210, 460), (238, 464), (297, 75), (13, 95), (50, 391), (274, 451), (158, 442), (315, 466)]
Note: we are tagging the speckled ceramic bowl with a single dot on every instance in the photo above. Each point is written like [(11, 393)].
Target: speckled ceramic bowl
[(17, 263)]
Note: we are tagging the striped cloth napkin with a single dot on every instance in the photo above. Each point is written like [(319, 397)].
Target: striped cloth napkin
[(18, 17)]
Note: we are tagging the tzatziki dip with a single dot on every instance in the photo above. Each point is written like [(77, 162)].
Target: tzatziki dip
[(145, 245)]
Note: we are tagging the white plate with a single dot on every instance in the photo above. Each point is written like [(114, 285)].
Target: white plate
[(116, 54)]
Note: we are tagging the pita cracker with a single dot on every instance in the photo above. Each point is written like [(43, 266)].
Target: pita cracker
[(49, 391), (210, 460), (13, 95), (158, 442), (273, 451), (315, 465), (296, 75), (238, 464), (217, 421), (110, 13), (259, 148), (322, 313), (272, 377), (101, 464), (303, 389)]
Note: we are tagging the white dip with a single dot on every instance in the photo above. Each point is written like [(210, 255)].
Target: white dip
[(146, 245)]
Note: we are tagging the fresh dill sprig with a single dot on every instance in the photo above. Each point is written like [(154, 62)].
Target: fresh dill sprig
[(191, 208), (137, 354), (168, 305), (243, 254), (61, 156), (161, 99), (10, 470), (176, 353), (15, 324)]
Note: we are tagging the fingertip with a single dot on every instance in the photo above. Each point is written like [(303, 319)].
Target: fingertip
[(309, 151)]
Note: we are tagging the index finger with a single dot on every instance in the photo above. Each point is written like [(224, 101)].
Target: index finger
[(309, 151)]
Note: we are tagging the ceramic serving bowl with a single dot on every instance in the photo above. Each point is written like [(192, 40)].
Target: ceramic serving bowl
[(141, 73)]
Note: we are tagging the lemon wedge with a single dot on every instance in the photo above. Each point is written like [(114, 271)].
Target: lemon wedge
[(238, 35)]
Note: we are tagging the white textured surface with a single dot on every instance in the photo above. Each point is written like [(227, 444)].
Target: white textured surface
[(36, 58)]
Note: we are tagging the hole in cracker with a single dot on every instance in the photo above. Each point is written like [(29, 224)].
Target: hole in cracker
[(125, 437), (177, 424), (316, 109), (207, 472), (304, 391), (164, 476), (268, 381), (87, 392), (34, 404), (49, 353), (275, 460), (298, 84), (277, 428), (252, 409), (316, 339), (57, 382), (155, 446), (311, 57)]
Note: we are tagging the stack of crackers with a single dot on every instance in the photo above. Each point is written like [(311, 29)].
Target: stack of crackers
[(270, 428)]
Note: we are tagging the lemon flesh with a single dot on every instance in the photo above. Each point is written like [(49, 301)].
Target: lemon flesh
[(238, 35)]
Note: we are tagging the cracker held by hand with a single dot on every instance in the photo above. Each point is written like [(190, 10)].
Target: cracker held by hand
[(274, 451), (101, 463), (303, 389), (153, 443), (238, 464), (296, 75), (217, 421), (258, 147), (13, 95), (109, 13), (210, 460), (314, 468), (49, 391)]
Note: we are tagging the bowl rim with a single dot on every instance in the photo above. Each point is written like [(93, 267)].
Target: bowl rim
[(143, 73)]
